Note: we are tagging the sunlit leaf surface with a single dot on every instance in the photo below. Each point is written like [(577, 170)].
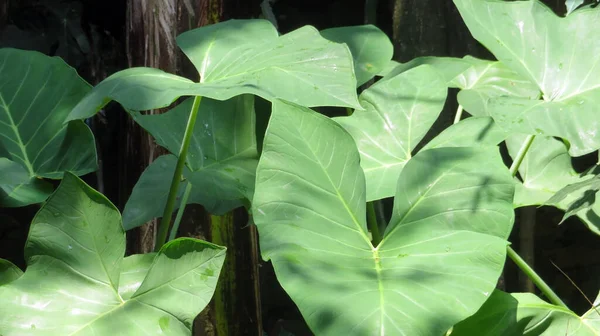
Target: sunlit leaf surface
[(445, 243)]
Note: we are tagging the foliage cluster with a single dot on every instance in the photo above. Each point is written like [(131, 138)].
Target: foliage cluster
[(311, 186)]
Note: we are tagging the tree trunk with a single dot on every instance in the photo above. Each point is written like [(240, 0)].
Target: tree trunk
[(151, 30)]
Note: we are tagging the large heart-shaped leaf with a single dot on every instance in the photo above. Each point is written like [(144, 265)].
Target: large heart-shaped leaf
[(545, 170), (442, 245), (398, 113), (525, 314), (72, 286), (529, 38), (236, 57), (37, 92), (371, 49)]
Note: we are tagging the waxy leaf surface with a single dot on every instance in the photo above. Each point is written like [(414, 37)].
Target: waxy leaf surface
[(371, 49), (37, 93), (470, 132), (149, 196), (525, 314), (479, 80), (545, 170), (18, 188), (530, 38), (572, 5), (236, 57), (75, 263), (8, 272), (445, 244), (222, 156), (397, 114)]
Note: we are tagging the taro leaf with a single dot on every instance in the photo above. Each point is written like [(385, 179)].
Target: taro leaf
[(479, 80), (371, 49), (387, 70), (222, 156), (17, 188), (487, 79), (133, 271), (546, 170), (448, 67), (572, 5), (470, 132), (440, 247), (75, 261), (398, 113), (525, 314), (149, 196), (546, 49), (8, 272), (574, 119), (236, 57), (37, 92)]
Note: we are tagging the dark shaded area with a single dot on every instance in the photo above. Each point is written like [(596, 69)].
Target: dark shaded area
[(97, 38)]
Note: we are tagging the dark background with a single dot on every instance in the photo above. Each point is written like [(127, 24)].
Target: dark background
[(99, 38)]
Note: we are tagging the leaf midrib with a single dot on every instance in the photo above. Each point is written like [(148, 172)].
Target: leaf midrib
[(374, 250), (19, 142)]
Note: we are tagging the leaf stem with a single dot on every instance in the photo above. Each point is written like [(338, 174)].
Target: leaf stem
[(522, 264), (514, 168), (165, 222), (458, 115), (182, 204), (537, 280), (373, 224)]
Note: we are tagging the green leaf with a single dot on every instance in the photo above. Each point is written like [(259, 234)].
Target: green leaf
[(470, 132), (8, 272), (485, 80), (398, 113), (479, 80), (525, 314), (222, 156), (74, 254), (37, 92), (572, 5), (529, 38), (149, 196), (236, 57), (442, 245), (17, 188), (587, 190), (133, 271), (546, 170), (448, 67), (371, 49), (574, 119)]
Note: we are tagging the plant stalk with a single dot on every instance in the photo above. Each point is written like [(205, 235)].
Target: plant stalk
[(514, 168), (182, 204), (537, 280), (165, 222), (458, 115), (373, 224), (531, 274)]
